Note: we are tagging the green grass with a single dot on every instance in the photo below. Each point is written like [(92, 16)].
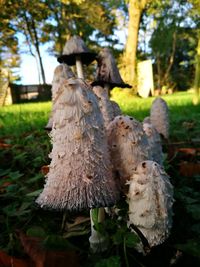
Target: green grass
[(18, 119)]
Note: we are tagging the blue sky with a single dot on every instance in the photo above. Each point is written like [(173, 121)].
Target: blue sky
[(28, 69)]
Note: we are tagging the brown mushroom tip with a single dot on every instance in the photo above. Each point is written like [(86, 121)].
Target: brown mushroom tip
[(75, 47), (107, 71), (111, 85)]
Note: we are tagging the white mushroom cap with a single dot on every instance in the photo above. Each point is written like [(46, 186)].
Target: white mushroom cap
[(74, 47), (128, 145), (150, 200), (159, 116), (61, 72), (154, 141), (80, 175), (107, 71)]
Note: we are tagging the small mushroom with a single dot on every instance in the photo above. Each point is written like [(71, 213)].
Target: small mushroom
[(61, 72), (128, 146), (80, 174), (107, 107), (159, 116), (154, 141), (98, 242), (150, 200), (75, 52), (107, 72)]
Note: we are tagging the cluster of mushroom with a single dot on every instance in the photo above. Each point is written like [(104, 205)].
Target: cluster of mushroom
[(136, 153), (97, 151)]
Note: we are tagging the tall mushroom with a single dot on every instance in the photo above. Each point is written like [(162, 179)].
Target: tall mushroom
[(80, 175), (108, 75), (159, 116), (128, 146), (75, 52), (150, 200), (109, 109), (154, 141), (61, 72)]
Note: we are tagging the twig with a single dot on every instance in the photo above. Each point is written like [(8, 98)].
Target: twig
[(145, 242)]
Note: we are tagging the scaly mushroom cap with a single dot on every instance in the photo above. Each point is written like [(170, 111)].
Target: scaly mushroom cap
[(128, 146), (107, 71), (150, 200), (74, 47), (80, 174), (147, 120), (106, 106), (61, 72), (154, 141), (159, 116), (116, 108)]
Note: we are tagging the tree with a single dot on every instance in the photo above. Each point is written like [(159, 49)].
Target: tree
[(197, 74), (136, 8), (93, 21), (26, 17), (9, 58)]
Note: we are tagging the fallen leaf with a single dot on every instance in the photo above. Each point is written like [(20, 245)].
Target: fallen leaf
[(10, 261), (47, 258), (45, 169), (189, 169), (4, 145)]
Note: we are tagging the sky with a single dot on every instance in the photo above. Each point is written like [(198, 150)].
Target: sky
[(28, 69)]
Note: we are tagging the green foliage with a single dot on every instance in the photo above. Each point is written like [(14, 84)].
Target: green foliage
[(113, 261), (172, 27), (57, 242), (36, 231)]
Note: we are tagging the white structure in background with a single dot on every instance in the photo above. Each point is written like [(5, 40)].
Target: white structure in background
[(145, 78)]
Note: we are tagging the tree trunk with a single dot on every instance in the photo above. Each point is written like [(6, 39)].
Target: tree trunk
[(171, 60), (32, 39), (36, 43), (136, 8), (197, 75)]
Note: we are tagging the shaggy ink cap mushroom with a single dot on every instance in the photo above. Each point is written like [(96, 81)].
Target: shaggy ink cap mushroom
[(128, 145), (75, 52), (80, 175), (159, 116), (107, 71), (150, 200), (62, 71), (109, 109)]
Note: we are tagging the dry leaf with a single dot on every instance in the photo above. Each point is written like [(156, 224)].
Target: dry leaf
[(189, 169), (10, 261), (45, 169), (47, 258), (4, 145)]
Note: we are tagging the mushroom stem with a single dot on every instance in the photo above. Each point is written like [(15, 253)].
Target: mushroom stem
[(107, 88), (79, 67), (98, 242)]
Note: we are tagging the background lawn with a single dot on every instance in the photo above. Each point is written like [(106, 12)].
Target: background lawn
[(24, 149)]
